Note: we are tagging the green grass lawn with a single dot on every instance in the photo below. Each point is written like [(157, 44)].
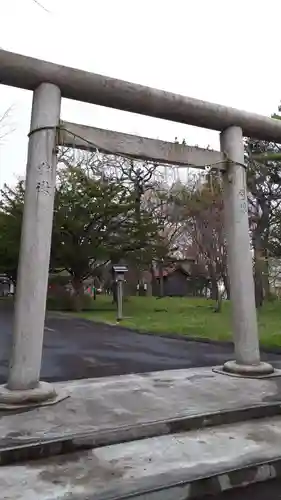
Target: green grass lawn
[(192, 317)]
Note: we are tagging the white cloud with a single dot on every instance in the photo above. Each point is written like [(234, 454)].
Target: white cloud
[(225, 52)]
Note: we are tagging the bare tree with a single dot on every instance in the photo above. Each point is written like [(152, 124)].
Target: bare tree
[(5, 124), (264, 195), (200, 210), (41, 6)]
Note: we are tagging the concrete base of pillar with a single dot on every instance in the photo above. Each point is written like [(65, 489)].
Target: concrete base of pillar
[(41, 394), (260, 370)]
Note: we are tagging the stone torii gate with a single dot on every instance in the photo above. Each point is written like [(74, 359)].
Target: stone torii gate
[(49, 82)]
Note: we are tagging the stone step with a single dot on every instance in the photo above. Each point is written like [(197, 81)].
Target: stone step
[(13, 451), (101, 412), (173, 467)]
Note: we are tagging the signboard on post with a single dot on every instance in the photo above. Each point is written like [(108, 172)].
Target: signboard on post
[(120, 278)]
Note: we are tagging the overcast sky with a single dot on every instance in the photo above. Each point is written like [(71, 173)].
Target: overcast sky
[(222, 51)]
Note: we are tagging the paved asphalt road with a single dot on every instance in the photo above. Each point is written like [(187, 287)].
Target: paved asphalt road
[(75, 348)]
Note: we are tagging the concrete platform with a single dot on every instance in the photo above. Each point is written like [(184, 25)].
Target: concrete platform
[(102, 412), (175, 467)]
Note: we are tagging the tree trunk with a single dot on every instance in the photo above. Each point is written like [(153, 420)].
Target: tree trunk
[(114, 292), (226, 286), (161, 280), (258, 269), (260, 244), (259, 295), (215, 293), (265, 275), (218, 306), (153, 280), (214, 288), (78, 293)]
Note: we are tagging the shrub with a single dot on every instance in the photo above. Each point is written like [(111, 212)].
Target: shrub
[(63, 300)]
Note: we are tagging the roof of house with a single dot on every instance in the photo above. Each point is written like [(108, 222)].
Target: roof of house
[(181, 265)]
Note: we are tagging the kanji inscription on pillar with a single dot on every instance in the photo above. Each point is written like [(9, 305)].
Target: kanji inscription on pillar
[(43, 187), (243, 200), (44, 167)]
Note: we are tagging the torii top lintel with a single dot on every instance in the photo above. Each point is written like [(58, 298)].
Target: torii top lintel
[(27, 73)]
